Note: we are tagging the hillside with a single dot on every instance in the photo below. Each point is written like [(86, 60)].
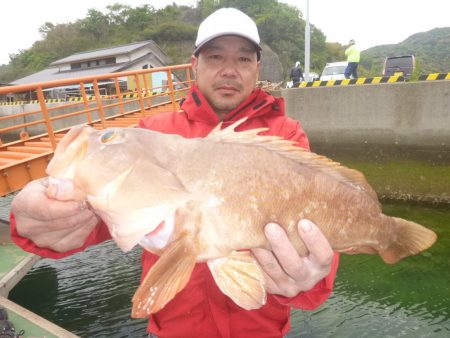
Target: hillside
[(431, 50)]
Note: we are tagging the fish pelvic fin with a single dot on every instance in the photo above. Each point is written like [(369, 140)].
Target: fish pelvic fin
[(240, 278), (166, 278), (288, 149), (411, 239)]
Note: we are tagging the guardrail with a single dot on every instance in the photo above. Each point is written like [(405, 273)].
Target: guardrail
[(358, 81), (372, 80), (144, 95), (434, 77)]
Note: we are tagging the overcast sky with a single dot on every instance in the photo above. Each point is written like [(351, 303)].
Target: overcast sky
[(369, 22)]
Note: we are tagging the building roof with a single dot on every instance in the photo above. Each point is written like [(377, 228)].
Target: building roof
[(53, 73), (158, 57), (104, 52)]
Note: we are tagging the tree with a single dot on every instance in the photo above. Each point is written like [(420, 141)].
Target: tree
[(46, 28), (96, 24)]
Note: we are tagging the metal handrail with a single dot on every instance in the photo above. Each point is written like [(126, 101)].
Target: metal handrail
[(144, 95), (24, 157)]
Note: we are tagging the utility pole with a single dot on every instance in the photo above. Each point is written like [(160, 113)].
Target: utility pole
[(307, 42)]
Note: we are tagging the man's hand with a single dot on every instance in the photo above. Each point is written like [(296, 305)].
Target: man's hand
[(285, 271), (51, 223)]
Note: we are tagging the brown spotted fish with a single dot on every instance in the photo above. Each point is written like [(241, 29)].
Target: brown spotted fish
[(207, 199)]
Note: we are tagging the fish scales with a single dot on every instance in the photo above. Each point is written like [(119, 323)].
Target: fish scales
[(208, 199), (277, 188), (232, 176)]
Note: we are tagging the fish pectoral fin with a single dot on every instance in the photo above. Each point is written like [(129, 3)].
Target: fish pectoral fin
[(166, 278), (240, 278)]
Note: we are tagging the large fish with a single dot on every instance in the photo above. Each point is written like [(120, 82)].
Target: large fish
[(207, 199)]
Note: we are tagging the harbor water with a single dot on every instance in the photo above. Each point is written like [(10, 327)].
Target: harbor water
[(90, 293)]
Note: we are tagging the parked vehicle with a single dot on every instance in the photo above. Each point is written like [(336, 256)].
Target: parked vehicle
[(312, 76), (334, 71), (399, 65)]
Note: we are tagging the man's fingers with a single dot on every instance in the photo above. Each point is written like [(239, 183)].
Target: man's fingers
[(283, 249), (286, 272), (46, 208), (317, 244), (266, 260), (269, 265), (77, 237), (69, 234), (57, 209)]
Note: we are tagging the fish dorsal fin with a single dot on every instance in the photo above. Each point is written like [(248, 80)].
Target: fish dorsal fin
[(288, 149), (239, 277), (334, 169), (229, 134)]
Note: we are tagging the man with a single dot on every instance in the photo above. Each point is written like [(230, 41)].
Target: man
[(226, 66), (296, 74), (353, 56)]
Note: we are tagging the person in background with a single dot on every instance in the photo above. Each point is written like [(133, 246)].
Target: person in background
[(296, 74), (353, 56), (225, 63)]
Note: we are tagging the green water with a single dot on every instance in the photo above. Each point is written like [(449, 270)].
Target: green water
[(90, 293), (398, 172), (372, 299)]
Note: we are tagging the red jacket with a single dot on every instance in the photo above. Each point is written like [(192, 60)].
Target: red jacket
[(201, 309)]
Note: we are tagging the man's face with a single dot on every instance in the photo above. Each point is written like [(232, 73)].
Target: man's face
[(226, 72)]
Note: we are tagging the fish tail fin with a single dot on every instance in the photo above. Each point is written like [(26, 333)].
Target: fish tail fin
[(411, 239)]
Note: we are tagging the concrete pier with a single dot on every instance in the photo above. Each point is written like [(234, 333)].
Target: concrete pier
[(413, 114)]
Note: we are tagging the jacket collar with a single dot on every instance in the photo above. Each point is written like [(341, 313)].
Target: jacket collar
[(257, 104)]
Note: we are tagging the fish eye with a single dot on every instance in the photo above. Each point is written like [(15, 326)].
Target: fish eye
[(108, 136)]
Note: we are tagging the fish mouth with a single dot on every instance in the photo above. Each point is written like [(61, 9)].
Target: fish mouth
[(71, 136), (70, 149)]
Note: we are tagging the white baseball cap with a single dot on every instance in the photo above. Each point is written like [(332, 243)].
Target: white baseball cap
[(227, 21)]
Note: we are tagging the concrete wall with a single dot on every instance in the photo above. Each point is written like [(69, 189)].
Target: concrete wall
[(410, 114)]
